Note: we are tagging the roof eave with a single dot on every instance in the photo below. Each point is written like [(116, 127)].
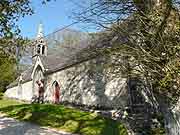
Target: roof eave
[(14, 85)]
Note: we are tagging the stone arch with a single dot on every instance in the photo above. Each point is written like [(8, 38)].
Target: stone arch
[(56, 92), (38, 76)]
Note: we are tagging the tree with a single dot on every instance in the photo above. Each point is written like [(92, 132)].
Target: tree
[(10, 12), (146, 33), (11, 43), (143, 39), (7, 66)]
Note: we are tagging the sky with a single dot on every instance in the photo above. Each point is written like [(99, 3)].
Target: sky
[(54, 15)]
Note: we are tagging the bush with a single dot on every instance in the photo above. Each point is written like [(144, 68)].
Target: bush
[(1, 95)]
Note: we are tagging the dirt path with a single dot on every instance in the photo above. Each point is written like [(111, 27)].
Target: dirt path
[(9, 126)]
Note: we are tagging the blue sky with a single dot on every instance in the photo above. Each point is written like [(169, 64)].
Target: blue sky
[(54, 15)]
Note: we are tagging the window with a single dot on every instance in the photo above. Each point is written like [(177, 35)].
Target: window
[(38, 49), (43, 49)]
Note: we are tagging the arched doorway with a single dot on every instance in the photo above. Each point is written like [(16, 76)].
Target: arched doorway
[(38, 83), (56, 92)]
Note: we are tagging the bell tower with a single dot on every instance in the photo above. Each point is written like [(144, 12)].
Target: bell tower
[(40, 45)]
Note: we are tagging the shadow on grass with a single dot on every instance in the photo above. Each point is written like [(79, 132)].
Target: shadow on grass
[(67, 119)]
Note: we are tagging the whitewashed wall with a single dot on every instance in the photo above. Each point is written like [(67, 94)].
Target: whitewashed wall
[(27, 91), (86, 83), (11, 92), (21, 92)]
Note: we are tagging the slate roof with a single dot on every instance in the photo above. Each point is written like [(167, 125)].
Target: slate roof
[(66, 59), (83, 51), (59, 61), (26, 75)]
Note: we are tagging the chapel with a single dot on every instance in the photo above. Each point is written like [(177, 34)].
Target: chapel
[(79, 79)]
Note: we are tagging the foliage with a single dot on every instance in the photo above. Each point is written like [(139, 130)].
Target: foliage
[(10, 12), (145, 36), (62, 118), (143, 40), (11, 43), (7, 66), (10, 53), (1, 95), (158, 128)]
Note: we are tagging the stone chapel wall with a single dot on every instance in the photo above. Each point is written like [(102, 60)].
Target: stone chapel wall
[(86, 83)]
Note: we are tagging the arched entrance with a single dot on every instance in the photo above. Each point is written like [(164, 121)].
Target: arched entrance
[(38, 83), (56, 92)]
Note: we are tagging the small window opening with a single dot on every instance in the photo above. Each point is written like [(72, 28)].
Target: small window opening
[(43, 49), (39, 49)]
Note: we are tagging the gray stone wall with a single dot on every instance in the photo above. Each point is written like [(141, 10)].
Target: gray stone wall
[(88, 83)]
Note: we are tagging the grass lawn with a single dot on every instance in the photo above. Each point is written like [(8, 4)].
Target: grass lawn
[(62, 118)]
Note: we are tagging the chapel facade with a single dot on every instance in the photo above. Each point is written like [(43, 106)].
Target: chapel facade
[(77, 79)]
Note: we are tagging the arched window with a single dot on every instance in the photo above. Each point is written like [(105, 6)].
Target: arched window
[(43, 49), (38, 49)]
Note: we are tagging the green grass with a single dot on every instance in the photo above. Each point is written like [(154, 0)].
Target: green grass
[(62, 118)]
